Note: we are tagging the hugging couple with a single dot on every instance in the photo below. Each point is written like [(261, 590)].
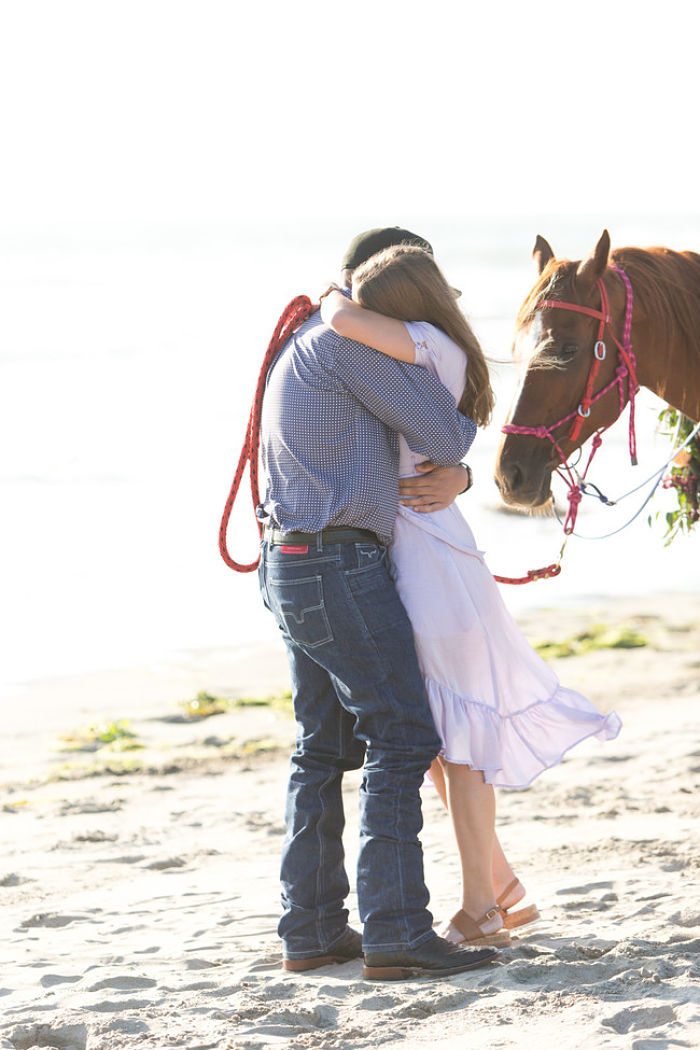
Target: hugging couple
[(403, 657)]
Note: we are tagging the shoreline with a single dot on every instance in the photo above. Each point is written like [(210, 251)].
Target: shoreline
[(37, 712), (260, 664)]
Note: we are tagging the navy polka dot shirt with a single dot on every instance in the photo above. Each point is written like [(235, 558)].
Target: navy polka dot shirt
[(330, 419)]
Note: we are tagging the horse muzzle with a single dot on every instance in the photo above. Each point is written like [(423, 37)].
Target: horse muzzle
[(524, 473)]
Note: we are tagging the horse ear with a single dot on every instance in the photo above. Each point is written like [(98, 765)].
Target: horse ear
[(541, 253), (592, 269)]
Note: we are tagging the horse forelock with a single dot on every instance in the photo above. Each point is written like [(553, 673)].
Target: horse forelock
[(554, 282)]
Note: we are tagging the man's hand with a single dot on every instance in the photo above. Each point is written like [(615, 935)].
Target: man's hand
[(435, 488)]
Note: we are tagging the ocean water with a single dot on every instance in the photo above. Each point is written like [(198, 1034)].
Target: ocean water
[(128, 358)]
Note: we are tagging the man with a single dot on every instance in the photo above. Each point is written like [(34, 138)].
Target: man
[(331, 415)]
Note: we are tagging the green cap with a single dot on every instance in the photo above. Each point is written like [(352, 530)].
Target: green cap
[(367, 244)]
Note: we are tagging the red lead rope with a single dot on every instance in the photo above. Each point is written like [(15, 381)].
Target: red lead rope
[(532, 574), (292, 316)]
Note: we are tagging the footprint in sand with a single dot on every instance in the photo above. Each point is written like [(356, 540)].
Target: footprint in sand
[(64, 1037), (588, 887), (265, 967), (687, 918), (600, 903), (12, 879), (50, 979), (124, 983), (92, 807), (376, 1002), (635, 1020), (200, 964), (592, 948), (95, 835), (109, 1006), (169, 862), (656, 1044), (128, 859), (50, 919), (291, 1023)]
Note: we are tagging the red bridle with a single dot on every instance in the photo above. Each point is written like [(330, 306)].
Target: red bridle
[(626, 368)]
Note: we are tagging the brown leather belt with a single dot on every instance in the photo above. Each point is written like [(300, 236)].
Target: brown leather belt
[(334, 535)]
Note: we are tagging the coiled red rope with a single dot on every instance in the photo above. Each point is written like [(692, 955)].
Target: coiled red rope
[(294, 314)]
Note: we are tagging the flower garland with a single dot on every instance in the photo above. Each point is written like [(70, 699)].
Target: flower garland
[(684, 475)]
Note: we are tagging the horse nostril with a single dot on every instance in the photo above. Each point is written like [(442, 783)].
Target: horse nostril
[(514, 477)]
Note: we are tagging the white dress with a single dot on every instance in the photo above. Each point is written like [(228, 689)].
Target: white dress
[(497, 705)]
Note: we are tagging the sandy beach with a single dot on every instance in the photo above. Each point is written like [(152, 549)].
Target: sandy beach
[(138, 877)]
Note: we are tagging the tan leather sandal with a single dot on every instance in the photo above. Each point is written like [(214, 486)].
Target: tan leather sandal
[(472, 932), (513, 919)]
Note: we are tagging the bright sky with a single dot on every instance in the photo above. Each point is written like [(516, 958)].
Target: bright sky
[(194, 109)]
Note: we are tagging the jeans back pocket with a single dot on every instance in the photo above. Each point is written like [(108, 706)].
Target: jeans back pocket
[(299, 606)]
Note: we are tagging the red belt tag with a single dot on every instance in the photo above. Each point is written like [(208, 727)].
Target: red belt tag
[(294, 550)]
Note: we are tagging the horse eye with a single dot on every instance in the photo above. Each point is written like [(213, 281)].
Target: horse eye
[(568, 351)]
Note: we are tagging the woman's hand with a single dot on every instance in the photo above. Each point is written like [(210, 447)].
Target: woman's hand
[(332, 303), (317, 303), (332, 287), (435, 488)]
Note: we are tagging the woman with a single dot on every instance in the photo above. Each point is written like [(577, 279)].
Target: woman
[(500, 710)]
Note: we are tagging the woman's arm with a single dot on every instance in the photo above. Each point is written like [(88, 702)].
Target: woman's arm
[(385, 334)]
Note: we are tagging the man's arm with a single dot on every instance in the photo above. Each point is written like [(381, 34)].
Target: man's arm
[(408, 399)]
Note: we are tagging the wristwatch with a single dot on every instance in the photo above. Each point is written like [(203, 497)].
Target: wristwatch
[(470, 477)]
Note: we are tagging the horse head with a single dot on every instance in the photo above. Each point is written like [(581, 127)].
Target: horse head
[(557, 351)]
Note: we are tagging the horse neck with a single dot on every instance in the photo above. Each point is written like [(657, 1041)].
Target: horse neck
[(668, 360), (672, 371)]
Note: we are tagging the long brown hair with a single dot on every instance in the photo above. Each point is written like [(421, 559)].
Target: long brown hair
[(405, 282)]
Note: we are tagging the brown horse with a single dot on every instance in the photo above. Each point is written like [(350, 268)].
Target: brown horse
[(555, 348)]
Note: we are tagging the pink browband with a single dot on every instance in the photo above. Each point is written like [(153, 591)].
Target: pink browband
[(626, 368)]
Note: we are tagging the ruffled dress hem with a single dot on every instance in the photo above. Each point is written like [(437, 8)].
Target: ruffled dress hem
[(513, 750)]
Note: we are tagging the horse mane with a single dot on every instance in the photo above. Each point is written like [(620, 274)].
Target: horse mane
[(666, 286)]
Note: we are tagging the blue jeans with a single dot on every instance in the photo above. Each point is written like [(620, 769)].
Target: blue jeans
[(358, 695)]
